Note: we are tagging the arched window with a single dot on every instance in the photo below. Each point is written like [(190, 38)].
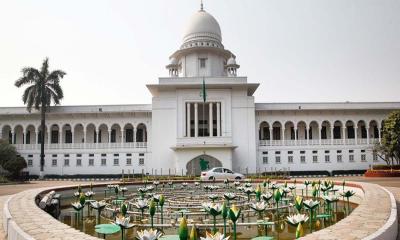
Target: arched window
[(337, 130), (350, 130), (141, 133), (264, 131), (54, 134), (276, 131), (128, 133)]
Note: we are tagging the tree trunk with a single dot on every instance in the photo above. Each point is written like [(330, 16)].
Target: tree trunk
[(42, 126)]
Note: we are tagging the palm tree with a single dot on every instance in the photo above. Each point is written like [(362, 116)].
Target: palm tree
[(43, 89)]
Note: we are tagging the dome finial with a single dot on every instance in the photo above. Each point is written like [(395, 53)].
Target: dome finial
[(201, 5)]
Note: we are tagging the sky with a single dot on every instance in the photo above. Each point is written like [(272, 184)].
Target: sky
[(298, 50)]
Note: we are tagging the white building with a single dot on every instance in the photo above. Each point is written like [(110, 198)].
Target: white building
[(170, 135)]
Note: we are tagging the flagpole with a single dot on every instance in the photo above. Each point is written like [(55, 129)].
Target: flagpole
[(203, 118), (204, 103)]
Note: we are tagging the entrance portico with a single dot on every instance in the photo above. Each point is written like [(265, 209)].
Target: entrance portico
[(188, 157), (201, 163)]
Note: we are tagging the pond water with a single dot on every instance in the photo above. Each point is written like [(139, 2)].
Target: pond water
[(187, 201)]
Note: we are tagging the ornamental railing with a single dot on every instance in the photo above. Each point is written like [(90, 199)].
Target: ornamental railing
[(306, 142), (81, 146)]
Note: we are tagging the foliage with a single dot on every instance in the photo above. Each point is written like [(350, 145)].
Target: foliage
[(44, 86), (7, 152), (386, 167), (15, 167), (3, 179), (389, 149), (9, 159)]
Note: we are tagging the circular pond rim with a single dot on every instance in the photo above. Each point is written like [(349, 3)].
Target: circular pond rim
[(375, 199)]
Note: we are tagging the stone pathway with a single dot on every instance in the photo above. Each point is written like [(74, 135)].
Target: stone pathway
[(366, 219), (10, 189), (396, 193)]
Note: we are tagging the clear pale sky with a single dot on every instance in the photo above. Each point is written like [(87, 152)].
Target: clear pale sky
[(300, 51)]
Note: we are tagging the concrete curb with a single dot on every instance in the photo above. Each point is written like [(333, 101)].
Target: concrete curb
[(10, 227), (16, 233), (6, 215), (386, 230)]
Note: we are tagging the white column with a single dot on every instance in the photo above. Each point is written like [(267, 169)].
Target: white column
[(84, 137), (13, 138), (210, 116), (218, 119), (122, 137), (308, 135), (344, 135), (367, 134), (283, 136), (379, 134), (332, 134), (196, 120), (295, 135), (270, 136), (49, 137), (109, 136), (72, 136), (60, 132), (23, 137), (134, 134), (98, 135), (187, 119), (355, 135), (319, 134)]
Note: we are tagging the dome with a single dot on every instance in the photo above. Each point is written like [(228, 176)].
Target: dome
[(202, 26), (173, 61), (231, 61)]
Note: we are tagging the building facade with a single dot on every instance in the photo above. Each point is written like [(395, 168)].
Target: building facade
[(179, 129)]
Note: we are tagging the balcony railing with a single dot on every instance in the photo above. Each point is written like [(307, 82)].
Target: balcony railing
[(305, 142), (204, 140), (81, 145)]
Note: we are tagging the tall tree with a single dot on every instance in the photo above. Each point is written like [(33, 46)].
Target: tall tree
[(389, 150), (43, 88)]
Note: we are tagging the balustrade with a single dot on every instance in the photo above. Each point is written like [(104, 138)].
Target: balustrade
[(305, 142), (81, 146)]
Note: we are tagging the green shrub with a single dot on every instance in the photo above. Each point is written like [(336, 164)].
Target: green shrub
[(15, 167), (10, 160), (386, 167)]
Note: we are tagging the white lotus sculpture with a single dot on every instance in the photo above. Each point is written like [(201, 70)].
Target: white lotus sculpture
[(149, 234), (296, 219), (216, 236)]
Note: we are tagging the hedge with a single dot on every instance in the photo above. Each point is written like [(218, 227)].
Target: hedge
[(386, 167)]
